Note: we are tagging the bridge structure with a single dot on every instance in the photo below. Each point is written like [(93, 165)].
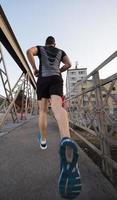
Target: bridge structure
[(93, 124)]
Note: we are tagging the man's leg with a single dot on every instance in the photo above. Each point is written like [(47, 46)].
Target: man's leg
[(69, 179), (43, 108), (60, 115)]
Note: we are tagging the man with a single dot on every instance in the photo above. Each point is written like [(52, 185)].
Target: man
[(50, 86)]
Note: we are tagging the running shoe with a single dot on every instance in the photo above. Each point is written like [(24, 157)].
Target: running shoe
[(69, 180), (43, 144)]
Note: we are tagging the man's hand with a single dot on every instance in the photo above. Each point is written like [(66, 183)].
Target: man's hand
[(67, 64), (36, 72)]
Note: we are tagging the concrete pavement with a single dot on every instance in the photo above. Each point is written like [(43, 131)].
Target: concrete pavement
[(29, 173)]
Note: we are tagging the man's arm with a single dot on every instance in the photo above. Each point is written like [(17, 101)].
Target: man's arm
[(30, 54), (67, 64)]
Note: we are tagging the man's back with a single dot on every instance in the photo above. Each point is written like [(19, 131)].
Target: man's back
[(50, 58)]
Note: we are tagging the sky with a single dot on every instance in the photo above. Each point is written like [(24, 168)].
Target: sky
[(85, 29)]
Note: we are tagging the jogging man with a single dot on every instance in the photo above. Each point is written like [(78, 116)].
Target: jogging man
[(50, 86)]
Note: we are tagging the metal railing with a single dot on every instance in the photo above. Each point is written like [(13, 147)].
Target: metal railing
[(94, 110), (21, 98)]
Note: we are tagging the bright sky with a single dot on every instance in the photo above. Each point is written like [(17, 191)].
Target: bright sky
[(85, 29)]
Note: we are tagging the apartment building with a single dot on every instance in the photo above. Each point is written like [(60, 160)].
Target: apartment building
[(73, 76)]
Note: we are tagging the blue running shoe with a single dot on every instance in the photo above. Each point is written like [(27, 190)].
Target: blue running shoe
[(69, 180), (43, 144)]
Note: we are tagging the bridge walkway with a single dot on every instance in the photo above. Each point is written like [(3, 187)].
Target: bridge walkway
[(28, 173)]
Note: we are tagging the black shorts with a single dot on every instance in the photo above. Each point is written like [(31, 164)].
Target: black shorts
[(47, 86)]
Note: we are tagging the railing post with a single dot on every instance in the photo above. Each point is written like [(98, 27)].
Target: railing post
[(26, 91), (7, 86), (34, 103), (23, 98), (103, 129)]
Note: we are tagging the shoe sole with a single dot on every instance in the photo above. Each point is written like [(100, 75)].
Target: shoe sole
[(38, 140), (69, 180), (43, 147)]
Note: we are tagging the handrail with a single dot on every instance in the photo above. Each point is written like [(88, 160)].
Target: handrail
[(9, 41)]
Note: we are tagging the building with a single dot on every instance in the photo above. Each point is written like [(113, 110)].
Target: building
[(73, 76), (109, 96)]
